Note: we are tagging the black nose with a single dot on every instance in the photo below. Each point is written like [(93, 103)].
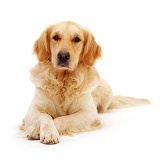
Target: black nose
[(63, 56)]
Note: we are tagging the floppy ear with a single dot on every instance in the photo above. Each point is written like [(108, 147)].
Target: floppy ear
[(92, 50), (42, 46)]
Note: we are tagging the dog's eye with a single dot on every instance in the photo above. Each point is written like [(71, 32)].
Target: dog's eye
[(56, 37), (76, 39)]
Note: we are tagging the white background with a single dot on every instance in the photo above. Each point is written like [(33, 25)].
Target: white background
[(129, 34)]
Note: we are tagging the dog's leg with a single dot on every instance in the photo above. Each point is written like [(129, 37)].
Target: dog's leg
[(82, 116), (102, 96), (39, 125)]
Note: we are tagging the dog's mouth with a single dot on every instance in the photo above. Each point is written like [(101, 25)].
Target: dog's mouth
[(63, 66)]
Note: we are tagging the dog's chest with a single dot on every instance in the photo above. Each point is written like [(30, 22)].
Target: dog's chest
[(64, 91), (62, 88)]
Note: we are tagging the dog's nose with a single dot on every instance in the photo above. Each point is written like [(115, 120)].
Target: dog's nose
[(63, 56)]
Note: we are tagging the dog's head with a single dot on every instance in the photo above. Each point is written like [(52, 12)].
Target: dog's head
[(66, 44)]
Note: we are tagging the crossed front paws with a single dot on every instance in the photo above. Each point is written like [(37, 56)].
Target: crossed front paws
[(47, 135)]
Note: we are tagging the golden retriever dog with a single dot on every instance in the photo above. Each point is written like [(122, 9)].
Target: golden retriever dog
[(69, 92)]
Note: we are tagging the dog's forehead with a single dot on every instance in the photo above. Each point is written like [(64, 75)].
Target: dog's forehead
[(68, 28)]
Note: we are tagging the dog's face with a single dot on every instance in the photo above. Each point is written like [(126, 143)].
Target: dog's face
[(66, 44)]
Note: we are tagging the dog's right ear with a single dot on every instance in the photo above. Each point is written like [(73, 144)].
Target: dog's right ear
[(42, 46)]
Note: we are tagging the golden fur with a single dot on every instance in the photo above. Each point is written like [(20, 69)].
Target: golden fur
[(70, 94)]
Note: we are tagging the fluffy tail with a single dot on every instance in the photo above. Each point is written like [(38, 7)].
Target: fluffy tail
[(124, 102)]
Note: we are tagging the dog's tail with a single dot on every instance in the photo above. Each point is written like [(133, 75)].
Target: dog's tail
[(124, 102)]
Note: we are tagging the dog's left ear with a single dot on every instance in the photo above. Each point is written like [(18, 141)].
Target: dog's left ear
[(42, 46), (92, 50)]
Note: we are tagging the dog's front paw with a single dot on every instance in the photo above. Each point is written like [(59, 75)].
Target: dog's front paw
[(48, 135), (33, 133)]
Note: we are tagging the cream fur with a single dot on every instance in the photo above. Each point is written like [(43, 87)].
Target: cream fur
[(68, 98)]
